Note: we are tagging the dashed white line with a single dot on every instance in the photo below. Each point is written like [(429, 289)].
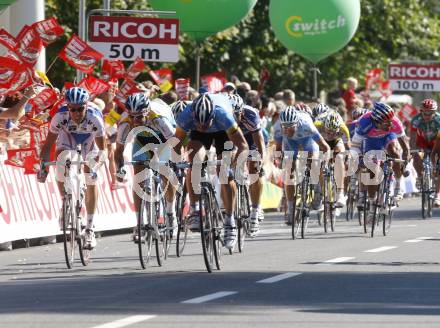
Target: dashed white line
[(278, 278), (380, 249), (337, 260), (126, 321), (418, 239), (208, 298)]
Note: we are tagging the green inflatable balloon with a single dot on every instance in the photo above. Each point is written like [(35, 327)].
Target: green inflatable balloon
[(315, 29), (202, 18)]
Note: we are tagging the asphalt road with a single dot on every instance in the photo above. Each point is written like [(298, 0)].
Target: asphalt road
[(340, 279)]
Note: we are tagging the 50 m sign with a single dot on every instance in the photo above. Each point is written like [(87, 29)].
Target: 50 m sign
[(127, 38)]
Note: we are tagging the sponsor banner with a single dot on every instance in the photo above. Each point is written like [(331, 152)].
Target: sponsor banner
[(131, 51), (31, 209), (414, 77)]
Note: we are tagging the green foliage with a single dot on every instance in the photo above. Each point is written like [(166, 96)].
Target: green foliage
[(389, 30)]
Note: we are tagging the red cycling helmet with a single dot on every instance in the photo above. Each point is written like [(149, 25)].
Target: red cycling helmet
[(428, 105)]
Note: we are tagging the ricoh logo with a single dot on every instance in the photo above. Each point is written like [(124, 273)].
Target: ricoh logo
[(296, 27)]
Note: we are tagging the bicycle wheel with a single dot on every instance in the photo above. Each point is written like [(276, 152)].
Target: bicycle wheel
[(430, 198), (376, 214), (296, 212), (332, 195), (329, 211), (365, 211), (69, 231), (217, 228), (182, 231), (163, 238), (84, 254), (243, 211), (206, 229), (424, 196), (306, 211), (145, 232), (387, 218), (350, 203)]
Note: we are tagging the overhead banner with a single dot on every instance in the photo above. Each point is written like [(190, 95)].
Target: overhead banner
[(127, 38)]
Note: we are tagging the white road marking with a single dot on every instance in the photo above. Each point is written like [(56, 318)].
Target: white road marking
[(337, 260), (126, 321), (418, 239), (278, 278), (380, 249), (208, 298)]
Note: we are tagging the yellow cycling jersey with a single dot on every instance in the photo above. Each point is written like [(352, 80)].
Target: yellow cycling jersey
[(343, 131)]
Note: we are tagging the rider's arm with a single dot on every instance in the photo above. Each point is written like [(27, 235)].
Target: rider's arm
[(258, 138), (403, 141), (323, 145), (237, 138), (45, 150)]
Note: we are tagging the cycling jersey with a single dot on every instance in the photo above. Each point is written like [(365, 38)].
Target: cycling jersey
[(376, 139), (160, 120), (71, 134), (429, 130), (305, 129), (91, 124), (223, 116), (366, 127)]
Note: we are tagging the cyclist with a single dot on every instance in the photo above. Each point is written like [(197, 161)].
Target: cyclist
[(160, 126), (77, 122), (425, 133), (332, 128), (248, 120), (209, 120), (380, 129), (298, 133)]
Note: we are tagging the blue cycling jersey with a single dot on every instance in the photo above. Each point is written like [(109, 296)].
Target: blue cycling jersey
[(223, 116)]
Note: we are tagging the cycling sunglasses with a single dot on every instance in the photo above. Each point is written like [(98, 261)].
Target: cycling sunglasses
[(77, 110)]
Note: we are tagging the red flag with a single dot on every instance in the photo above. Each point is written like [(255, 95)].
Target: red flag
[(48, 30), (80, 55), (46, 98), (182, 88), (372, 77), (17, 156), (136, 68), (163, 78), (29, 46), (127, 88), (407, 113), (113, 69), (22, 79), (93, 85), (56, 107), (7, 40), (8, 69), (214, 81)]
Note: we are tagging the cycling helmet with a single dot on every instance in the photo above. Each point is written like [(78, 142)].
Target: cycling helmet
[(76, 95), (333, 121), (358, 112), (429, 105), (320, 109), (289, 115), (301, 107), (237, 103), (137, 103), (178, 107), (203, 109), (382, 112)]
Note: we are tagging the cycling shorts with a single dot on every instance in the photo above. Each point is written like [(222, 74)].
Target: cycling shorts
[(208, 139)]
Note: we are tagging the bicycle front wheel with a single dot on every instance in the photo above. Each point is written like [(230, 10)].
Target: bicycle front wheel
[(145, 232), (182, 232), (206, 229), (69, 232), (387, 218), (162, 239)]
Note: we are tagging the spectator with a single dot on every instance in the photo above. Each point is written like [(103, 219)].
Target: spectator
[(229, 88), (169, 98), (349, 95), (243, 89), (253, 99), (278, 96), (289, 97)]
